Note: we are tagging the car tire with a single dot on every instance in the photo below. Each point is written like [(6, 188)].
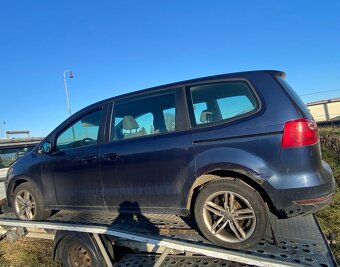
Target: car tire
[(28, 203), (240, 223)]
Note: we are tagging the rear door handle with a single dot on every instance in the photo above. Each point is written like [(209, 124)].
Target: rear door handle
[(88, 159), (110, 156)]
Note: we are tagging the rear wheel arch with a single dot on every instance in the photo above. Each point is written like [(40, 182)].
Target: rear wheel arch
[(225, 174)]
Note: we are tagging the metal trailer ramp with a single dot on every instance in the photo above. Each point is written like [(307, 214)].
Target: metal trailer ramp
[(176, 261), (301, 242)]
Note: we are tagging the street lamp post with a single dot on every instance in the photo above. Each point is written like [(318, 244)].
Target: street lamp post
[(70, 75), (67, 96), (3, 123)]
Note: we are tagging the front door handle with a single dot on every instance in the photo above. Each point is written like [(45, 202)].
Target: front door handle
[(110, 156), (88, 159)]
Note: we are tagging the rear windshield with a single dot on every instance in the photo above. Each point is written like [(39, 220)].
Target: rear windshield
[(296, 98)]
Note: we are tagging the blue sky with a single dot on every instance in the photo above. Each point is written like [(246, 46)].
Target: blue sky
[(115, 47)]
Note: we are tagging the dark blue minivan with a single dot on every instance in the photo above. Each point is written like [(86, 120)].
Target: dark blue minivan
[(218, 148)]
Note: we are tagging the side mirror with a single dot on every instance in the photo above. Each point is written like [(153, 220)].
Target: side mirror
[(45, 148)]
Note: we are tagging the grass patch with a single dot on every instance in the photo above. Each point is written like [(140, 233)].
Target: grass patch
[(329, 217), (329, 130), (26, 252)]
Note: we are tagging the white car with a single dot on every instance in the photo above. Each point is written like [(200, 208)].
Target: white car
[(3, 173), (10, 151)]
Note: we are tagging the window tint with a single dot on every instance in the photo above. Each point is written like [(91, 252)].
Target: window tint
[(143, 116), (146, 122), (221, 101), (234, 106), (170, 119), (83, 132), (198, 109)]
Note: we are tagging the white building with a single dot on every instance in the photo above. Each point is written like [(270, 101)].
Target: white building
[(325, 110)]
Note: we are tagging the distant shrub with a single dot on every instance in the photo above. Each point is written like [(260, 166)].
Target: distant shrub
[(330, 138)]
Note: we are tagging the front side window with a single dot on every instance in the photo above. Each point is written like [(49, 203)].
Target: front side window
[(144, 115), (83, 132), (212, 103)]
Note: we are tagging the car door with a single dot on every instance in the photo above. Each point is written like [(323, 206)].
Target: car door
[(73, 165), (148, 160)]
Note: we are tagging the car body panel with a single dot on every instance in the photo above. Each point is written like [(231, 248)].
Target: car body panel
[(300, 167), (243, 155), (151, 171), (156, 173), (77, 181)]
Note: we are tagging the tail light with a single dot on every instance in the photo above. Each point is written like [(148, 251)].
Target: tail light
[(301, 132)]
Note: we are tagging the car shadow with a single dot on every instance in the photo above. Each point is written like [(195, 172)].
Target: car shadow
[(130, 217), (131, 220)]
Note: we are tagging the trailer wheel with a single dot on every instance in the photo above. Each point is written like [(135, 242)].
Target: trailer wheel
[(230, 214), (77, 253), (29, 203)]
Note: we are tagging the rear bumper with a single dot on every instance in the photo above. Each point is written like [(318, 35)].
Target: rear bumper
[(302, 200)]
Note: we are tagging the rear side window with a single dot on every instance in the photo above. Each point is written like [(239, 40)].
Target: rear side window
[(146, 115), (216, 102)]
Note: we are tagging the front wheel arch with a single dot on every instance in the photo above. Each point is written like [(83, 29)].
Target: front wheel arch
[(14, 183), (31, 202)]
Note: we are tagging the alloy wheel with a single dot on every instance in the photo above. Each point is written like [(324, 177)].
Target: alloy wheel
[(25, 205), (229, 216)]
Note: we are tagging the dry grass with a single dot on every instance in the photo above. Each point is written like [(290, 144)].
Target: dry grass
[(330, 139), (26, 252), (329, 217)]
